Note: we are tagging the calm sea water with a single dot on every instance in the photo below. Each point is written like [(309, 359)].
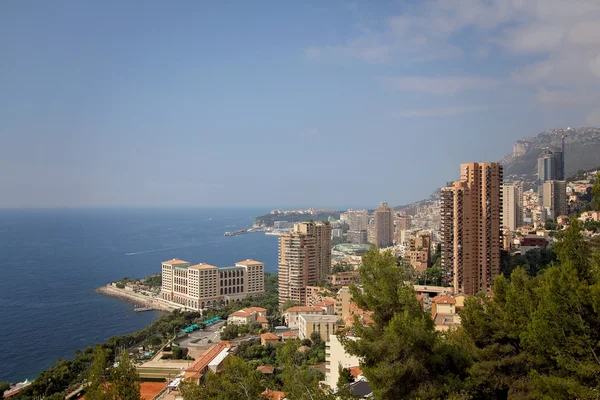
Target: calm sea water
[(52, 260)]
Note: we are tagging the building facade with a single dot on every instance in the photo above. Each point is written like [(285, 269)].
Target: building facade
[(550, 168), (512, 206), (324, 325), (384, 226), (475, 239), (555, 198), (203, 285), (304, 259)]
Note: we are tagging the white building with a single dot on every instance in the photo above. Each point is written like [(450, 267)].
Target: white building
[(292, 314), (336, 356)]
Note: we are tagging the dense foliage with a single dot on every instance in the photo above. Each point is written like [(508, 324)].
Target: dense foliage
[(537, 338)]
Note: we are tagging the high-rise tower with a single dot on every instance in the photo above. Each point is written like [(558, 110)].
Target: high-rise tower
[(472, 239)]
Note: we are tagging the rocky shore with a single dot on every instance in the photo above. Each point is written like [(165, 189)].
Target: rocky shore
[(135, 298)]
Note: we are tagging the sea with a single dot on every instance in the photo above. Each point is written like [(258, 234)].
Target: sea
[(52, 260)]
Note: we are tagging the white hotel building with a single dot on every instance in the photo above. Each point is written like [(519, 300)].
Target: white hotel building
[(203, 285)]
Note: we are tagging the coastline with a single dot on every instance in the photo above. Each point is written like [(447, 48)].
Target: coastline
[(135, 298)]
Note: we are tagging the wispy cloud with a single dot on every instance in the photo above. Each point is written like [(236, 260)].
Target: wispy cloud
[(551, 47), (440, 112), (438, 85)]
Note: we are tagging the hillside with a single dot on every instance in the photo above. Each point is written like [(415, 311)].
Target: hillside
[(582, 148), (582, 152)]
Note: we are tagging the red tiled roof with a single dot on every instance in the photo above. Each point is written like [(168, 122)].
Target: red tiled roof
[(355, 371), (241, 313), (265, 369), (443, 300), (269, 336), (272, 395), (290, 334), (262, 319), (206, 358)]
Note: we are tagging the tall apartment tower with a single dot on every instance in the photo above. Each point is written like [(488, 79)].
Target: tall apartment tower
[(384, 226), (555, 198), (476, 215), (447, 231), (512, 206), (358, 221), (304, 259), (550, 168)]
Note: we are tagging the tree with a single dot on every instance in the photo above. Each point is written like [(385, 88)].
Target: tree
[(237, 380), (4, 386), (289, 304), (403, 357), (125, 381), (596, 193), (98, 376)]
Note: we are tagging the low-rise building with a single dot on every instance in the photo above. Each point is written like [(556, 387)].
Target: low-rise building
[(533, 242), (212, 359), (343, 278), (328, 305), (289, 335), (248, 315), (443, 312), (292, 315), (325, 325), (268, 338)]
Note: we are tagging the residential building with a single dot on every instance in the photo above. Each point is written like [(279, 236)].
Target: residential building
[(443, 312), (292, 314), (328, 305), (512, 206), (384, 226), (336, 356), (268, 338), (357, 237), (336, 233), (358, 220), (282, 225), (304, 259), (203, 285), (324, 325), (585, 216), (476, 216), (315, 294), (419, 251), (554, 198), (342, 303), (403, 222), (447, 231), (343, 278), (289, 335), (248, 315)]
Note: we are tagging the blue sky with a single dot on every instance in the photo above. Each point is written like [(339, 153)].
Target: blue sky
[(270, 104)]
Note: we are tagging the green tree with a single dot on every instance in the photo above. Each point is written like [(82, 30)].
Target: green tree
[(4, 386), (403, 357), (125, 381), (596, 193), (98, 376), (237, 380)]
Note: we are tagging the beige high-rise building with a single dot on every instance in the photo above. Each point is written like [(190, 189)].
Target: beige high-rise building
[(512, 206), (384, 226), (555, 198), (475, 237), (358, 220), (304, 259)]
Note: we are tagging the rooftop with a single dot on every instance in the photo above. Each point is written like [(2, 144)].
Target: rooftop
[(203, 266), (289, 334), (248, 262), (175, 261), (443, 300), (304, 309), (269, 336), (320, 318), (265, 369), (272, 395), (241, 313)]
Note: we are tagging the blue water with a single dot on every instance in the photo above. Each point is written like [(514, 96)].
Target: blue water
[(52, 260)]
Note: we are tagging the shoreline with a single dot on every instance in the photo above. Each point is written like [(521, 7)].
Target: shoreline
[(135, 298)]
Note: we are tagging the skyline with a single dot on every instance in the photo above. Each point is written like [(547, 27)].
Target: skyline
[(188, 105)]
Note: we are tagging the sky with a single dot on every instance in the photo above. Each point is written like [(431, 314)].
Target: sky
[(282, 104)]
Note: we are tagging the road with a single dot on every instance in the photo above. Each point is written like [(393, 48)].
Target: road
[(201, 337)]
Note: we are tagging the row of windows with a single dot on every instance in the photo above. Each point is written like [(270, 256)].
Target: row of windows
[(232, 290)]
